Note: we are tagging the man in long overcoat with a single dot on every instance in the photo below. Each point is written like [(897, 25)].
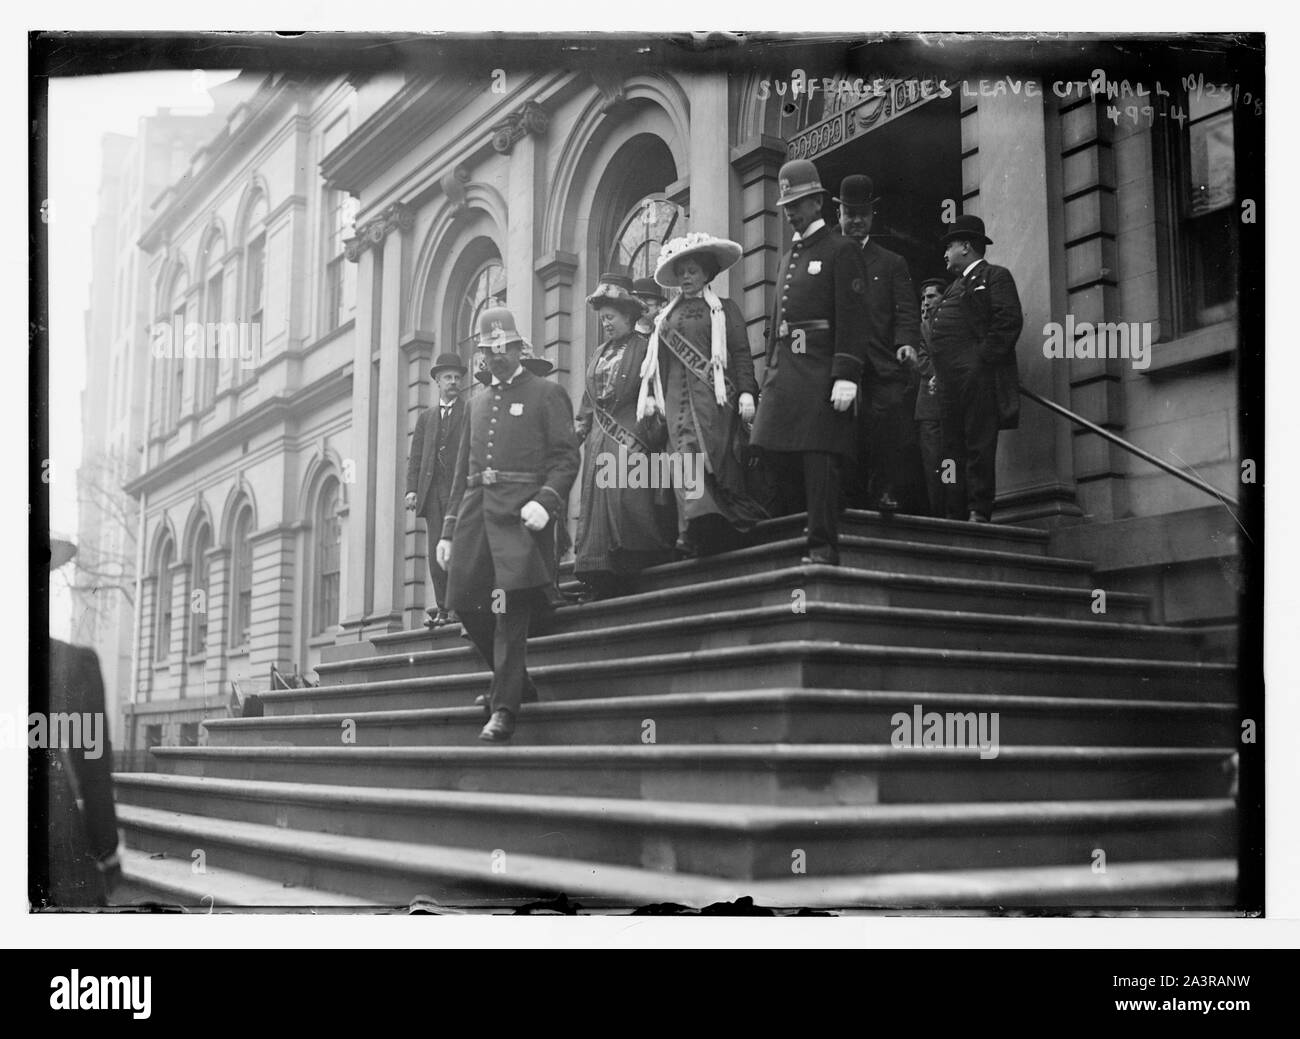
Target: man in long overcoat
[(819, 333), (518, 459)]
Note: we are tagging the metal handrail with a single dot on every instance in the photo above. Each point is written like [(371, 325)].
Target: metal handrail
[(1133, 449)]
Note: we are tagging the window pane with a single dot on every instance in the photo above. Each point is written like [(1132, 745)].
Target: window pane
[(1213, 178), (1212, 98)]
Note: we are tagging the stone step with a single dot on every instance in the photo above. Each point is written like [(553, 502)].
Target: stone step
[(151, 880), (889, 555), (808, 663), (722, 840), (863, 523), (798, 620), (777, 774), (779, 715), (396, 874), (812, 583)]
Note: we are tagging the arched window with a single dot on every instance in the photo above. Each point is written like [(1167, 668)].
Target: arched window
[(214, 314), (171, 371), (198, 605), (485, 288), (162, 641), (254, 271), (328, 545), (649, 223), (241, 580)]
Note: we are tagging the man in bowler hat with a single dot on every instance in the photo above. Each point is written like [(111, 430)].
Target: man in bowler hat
[(431, 467), (517, 461), (893, 309), (973, 346), (820, 330)]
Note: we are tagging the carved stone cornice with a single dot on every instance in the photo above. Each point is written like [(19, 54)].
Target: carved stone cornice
[(613, 91), (531, 118), (397, 217)]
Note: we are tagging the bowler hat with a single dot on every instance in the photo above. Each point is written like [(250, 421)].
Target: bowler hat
[(448, 363), (496, 329), (648, 287), (615, 290), (967, 228), (857, 190), (798, 179)]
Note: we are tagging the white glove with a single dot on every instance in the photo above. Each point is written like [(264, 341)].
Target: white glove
[(442, 554), (535, 517), (746, 407), (906, 354), (843, 394)]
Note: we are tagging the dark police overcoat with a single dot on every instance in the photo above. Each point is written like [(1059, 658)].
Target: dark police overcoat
[(823, 282), (523, 433)]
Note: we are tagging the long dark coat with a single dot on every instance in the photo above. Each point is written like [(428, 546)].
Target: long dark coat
[(431, 465), (620, 528), (524, 427), (824, 279)]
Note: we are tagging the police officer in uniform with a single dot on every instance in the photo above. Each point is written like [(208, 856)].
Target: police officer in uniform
[(820, 329), (973, 346), (518, 459), (431, 467), (893, 309)]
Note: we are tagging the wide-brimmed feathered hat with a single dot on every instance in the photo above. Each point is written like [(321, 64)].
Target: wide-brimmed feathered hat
[(724, 252), (615, 290)]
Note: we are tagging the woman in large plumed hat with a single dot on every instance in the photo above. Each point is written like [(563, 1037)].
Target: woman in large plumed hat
[(621, 528), (699, 374)]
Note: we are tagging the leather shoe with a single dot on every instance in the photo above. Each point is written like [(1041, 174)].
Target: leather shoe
[(824, 558), (887, 503), (500, 727), (976, 517)]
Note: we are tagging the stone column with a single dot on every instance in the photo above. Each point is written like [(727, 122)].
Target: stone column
[(271, 631), (390, 454), (358, 469), (1008, 181), (218, 609), (710, 173), (757, 162), (417, 386)]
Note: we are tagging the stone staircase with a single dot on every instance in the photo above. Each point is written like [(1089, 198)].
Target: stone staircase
[(726, 731)]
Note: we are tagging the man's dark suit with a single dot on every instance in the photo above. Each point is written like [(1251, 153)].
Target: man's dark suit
[(519, 447), (71, 792), (973, 346), (430, 471), (821, 328), (896, 316)]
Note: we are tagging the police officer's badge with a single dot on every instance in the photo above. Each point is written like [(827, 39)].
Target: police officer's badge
[(814, 266)]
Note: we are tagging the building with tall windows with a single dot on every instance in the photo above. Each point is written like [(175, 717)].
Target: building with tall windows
[(523, 190), (339, 233), (134, 169), (243, 485)]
